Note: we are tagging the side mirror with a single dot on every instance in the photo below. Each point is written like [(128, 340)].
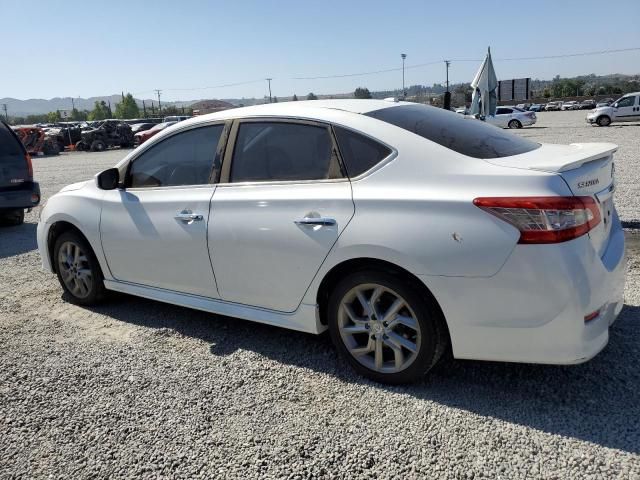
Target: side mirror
[(615, 105), (108, 180)]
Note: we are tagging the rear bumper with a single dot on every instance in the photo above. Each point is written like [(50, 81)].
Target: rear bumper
[(23, 198), (533, 310)]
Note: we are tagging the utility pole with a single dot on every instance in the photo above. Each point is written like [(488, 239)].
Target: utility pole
[(404, 91), (447, 63), (144, 109), (269, 80), (159, 104), (447, 94), (73, 104), (6, 115)]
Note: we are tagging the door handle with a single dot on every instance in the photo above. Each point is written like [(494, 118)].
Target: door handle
[(323, 221), (188, 216)]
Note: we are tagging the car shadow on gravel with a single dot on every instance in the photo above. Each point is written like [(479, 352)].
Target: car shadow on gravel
[(598, 401), (17, 240)]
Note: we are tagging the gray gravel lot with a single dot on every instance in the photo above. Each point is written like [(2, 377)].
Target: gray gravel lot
[(135, 388)]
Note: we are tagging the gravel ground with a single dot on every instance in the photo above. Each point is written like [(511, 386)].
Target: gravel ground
[(136, 388)]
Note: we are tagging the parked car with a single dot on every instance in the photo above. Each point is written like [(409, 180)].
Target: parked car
[(141, 127), (176, 118), (105, 134), (140, 137), (462, 110), (18, 191), (570, 105), (587, 104), (605, 103), (553, 106), (625, 109), (536, 107), (511, 117), (523, 106), (239, 213)]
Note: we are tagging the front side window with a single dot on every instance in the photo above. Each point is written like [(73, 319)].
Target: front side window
[(467, 136), (626, 102), (186, 158), (359, 153), (278, 151)]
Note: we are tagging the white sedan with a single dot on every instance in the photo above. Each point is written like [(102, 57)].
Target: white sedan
[(511, 117), (405, 230)]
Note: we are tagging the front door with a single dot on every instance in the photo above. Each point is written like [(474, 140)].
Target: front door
[(626, 109), (154, 231), (281, 205)]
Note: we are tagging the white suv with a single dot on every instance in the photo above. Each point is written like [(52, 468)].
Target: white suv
[(625, 109)]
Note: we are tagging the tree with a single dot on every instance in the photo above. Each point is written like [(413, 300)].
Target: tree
[(53, 117), (311, 96), (100, 111), (128, 108), (362, 92), (546, 93), (295, 97)]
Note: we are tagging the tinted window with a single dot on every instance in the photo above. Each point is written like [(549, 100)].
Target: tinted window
[(9, 144), (359, 153), (13, 166), (182, 159), (275, 151), (467, 136)]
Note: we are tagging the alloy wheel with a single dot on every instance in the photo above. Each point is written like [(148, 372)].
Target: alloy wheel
[(75, 270), (379, 328)]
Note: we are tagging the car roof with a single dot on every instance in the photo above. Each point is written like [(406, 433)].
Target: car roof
[(304, 108)]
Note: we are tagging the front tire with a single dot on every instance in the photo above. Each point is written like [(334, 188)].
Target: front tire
[(515, 124), (78, 269), (98, 146), (386, 329), (603, 121)]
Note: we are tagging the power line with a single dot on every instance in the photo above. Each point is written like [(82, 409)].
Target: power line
[(407, 67), (420, 65)]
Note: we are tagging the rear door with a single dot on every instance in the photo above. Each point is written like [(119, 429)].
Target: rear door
[(14, 167), (280, 206)]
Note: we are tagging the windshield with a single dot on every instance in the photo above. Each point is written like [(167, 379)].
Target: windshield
[(467, 136)]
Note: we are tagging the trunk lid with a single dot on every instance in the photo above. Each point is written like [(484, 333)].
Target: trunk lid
[(14, 169), (587, 168)]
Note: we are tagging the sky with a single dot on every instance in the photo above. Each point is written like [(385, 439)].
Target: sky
[(87, 48)]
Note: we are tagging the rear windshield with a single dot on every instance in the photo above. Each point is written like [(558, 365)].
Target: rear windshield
[(467, 136), (10, 146)]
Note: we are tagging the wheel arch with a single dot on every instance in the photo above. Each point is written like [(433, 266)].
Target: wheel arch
[(55, 230), (338, 271)]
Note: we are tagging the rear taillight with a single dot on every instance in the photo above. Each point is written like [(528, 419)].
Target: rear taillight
[(27, 158), (544, 219)]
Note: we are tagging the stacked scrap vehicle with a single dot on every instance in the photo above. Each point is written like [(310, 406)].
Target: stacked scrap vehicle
[(37, 141), (107, 133)]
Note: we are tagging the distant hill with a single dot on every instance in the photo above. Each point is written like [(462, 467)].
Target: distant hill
[(33, 106), (612, 83)]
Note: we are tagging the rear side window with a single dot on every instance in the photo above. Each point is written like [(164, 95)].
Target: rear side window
[(278, 151), (185, 158), (467, 136), (359, 153)]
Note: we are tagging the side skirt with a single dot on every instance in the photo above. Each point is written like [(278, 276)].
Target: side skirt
[(304, 319)]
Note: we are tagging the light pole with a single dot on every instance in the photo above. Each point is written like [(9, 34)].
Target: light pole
[(404, 92), (269, 81)]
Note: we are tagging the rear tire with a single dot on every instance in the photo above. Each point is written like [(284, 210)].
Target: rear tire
[(603, 121), (398, 339), (515, 124), (12, 218), (78, 269)]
